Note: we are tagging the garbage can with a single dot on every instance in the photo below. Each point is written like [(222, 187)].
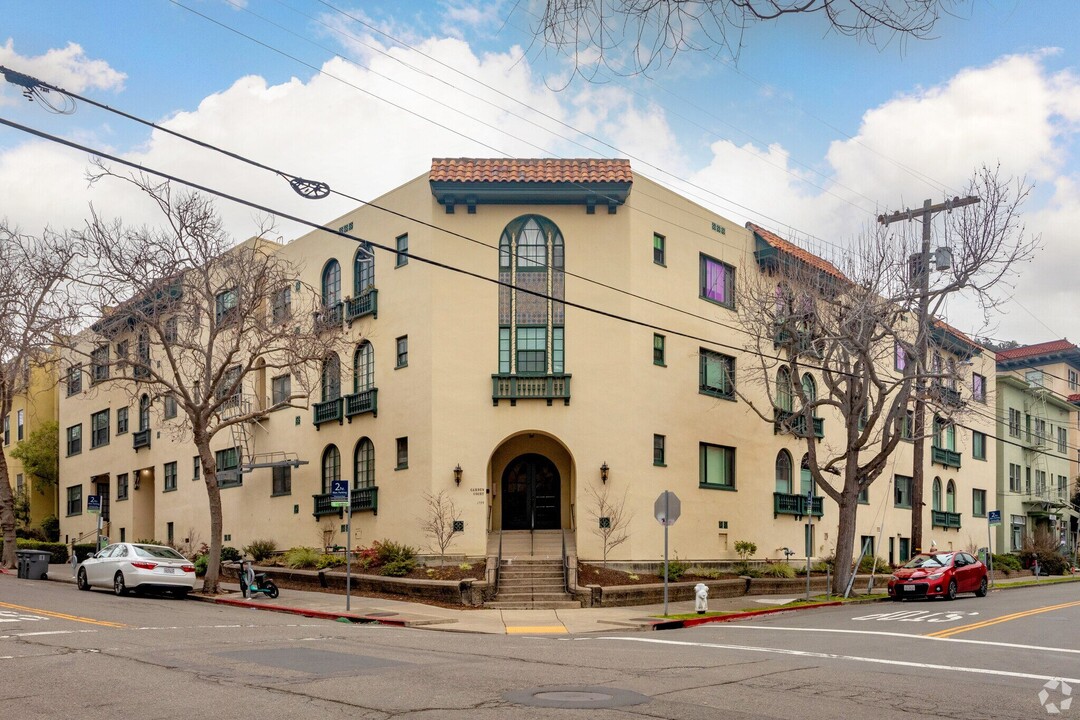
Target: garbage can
[(33, 564)]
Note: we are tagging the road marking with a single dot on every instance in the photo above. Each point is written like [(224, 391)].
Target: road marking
[(63, 616), (536, 630), (856, 658), (48, 632), (948, 632), (915, 616), (1018, 646)]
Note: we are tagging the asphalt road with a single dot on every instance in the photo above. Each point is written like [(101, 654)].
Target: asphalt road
[(64, 653)]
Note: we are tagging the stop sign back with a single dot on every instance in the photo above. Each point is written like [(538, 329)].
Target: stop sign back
[(667, 508)]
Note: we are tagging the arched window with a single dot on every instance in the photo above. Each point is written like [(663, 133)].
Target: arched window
[(784, 399), (331, 378), (363, 270), (364, 464), (363, 368), (783, 472), (809, 388), (331, 284), (950, 497), (806, 478), (936, 495), (331, 467), (144, 412)]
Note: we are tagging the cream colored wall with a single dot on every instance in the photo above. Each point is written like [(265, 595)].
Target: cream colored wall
[(39, 406)]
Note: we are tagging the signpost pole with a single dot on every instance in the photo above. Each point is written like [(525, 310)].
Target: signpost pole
[(993, 519), (665, 567), (666, 509), (809, 534)]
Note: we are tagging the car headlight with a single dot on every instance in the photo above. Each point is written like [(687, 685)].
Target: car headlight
[(936, 576), (894, 578)]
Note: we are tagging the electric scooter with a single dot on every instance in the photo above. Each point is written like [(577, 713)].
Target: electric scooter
[(252, 583)]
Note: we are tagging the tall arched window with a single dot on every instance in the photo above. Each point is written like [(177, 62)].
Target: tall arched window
[(950, 497), (363, 368), (331, 467), (363, 270), (364, 464), (809, 387), (144, 412), (783, 472), (331, 283), (806, 478), (936, 494), (331, 378), (784, 399)]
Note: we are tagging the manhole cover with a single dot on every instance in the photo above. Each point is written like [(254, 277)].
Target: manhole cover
[(575, 697)]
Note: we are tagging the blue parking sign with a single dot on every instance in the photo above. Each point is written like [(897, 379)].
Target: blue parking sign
[(994, 516), (93, 504), (339, 493)]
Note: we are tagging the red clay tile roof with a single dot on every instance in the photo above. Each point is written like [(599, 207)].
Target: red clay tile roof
[(795, 251), (956, 333), (529, 170), (1026, 351), (1074, 398)]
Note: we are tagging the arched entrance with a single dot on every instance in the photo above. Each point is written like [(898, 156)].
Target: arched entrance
[(531, 494)]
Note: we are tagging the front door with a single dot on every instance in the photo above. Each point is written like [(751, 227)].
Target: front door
[(532, 497)]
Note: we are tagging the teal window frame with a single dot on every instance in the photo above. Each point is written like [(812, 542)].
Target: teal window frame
[(170, 477), (902, 491), (401, 352), (121, 420), (74, 439), (99, 429), (707, 361), (401, 244), (659, 450), (225, 304), (782, 470), (280, 388), (330, 283), (558, 346), (330, 467), (364, 464), (659, 356), (978, 445), (531, 350), (708, 270), (504, 349), (229, 459), (659, 249), (716, 461)]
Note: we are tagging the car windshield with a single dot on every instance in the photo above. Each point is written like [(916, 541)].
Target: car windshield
[(157, 551), (930, 561)]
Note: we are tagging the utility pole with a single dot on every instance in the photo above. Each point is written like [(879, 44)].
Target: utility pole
[(920, 273)]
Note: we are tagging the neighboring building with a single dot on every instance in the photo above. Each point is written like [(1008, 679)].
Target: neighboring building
[(28, 412), (517, 402), (1036, 465)]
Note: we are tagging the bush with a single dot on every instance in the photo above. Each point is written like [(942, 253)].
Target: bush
[(388, 551), (260, 550), (703, 572), (746, 569), (329, 561), (200, 565), (745, 549), (84, 550), (301, 557), (50, 525), (868, 562), (778, 570), (30, 534), (58, 551), (399, 567), (230, 554), (675, 570), (1055, 564), (1006, 562)]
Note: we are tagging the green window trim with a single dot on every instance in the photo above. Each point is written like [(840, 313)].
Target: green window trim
[(716, 467), (716, 281), (716, 374), (659, 350), (401, 243), (659, 249)]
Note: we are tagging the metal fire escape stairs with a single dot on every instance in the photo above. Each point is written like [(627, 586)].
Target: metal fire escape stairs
[(243, 437), (1038, 443)]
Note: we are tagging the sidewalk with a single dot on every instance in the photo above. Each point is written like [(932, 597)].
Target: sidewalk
[(503, 622)]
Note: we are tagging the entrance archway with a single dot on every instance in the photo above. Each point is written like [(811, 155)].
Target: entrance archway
[(531, 494)]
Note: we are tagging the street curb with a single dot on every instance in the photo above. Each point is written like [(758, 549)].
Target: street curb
[(305, 612), (661, 624)]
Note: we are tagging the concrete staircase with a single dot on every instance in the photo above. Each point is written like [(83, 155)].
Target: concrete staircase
[(531, 574)]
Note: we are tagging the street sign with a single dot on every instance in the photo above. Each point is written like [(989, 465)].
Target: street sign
[(667, 508), (93, 504), (994, 516), (339, 493)]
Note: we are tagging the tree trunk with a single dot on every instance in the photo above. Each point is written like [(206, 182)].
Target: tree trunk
[(213, 492), (845, 538), (7, 515)]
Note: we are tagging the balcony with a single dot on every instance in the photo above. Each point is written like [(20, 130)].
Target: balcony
[(946, 395), (140, 439), (530, 387), (941, 456), (787, 421), (363, 499), (1037, 439), (366, 304), (329, 318), (362, 402), (942, 519), (787, 504), (324, 412)]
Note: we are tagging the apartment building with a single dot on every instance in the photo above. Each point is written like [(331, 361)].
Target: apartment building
[(29, 411)]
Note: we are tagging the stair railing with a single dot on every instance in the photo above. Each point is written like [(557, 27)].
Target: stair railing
[(565, 564)]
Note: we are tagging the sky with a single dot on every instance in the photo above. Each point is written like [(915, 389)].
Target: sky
[(805, 132)]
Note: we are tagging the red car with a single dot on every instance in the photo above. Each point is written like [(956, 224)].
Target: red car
[(939, 574)]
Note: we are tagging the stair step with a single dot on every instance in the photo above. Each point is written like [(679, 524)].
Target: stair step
[(531, 596), (553, 605), (520, 581)]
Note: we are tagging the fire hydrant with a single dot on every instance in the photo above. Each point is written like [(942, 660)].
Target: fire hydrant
[(701, 597)]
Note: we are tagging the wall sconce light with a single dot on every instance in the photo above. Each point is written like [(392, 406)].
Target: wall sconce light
[(457, 474), (603, 473)]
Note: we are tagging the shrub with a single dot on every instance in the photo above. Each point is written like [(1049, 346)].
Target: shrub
[(465, 567), (399, 567), (200, 565), (1055, 564), (744, 549), (50, 525), (260, 550), (675, 570), (301, 557), (329, 561), (703, 572), (778, 570), (84, 550), (58, 551), (388, 551), (230, 554), (1009, 563), (745, 568), (30, 534), (868, 562)]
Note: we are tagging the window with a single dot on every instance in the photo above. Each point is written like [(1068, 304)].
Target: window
[(402, 453), (331, 468), (1040, 482), (228, 465), (717, 281), (532, 248), (1062, 439), (402, 357), (170, 477), (402, 243), (144, 413), (936, 502), (282, 480), (364, 464), (170, 407), (557, 344), (121, 420), (74, 500), (783, 472), (331, 284), (20, 424), (74, 380), (978, 387), (979, 503), (785, 396), (20, 485), (122, 486), (944, 434), (658, 349), (950, 497), (363, 368), (504, 350), (900, 357), (978, 445), (122, 353), (363, 270), (331, 378), (1063, 486), (99, 429), (864, 496), (142, 355), (658, 450), (74, 439), (1074, 381), (902, 486), (1014, 422), (1017, 527), (532, 350), (99, 365), (716, 466), (172, 332), (659, 249), (1034, 377), (281, 305), (196, 468), (716, 374), (1014, 478), (225, 306), (280, 389), (809, 388)]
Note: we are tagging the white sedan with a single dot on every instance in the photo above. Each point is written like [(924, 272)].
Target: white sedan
[(135, 566)]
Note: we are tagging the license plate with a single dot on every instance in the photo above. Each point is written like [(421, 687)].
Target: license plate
[(909, 588), (170, 570)]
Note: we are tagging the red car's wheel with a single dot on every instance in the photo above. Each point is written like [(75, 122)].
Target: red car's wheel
[(950, 594), (981, 592)]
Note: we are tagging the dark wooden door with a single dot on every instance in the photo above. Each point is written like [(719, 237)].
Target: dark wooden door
[(532, 497)]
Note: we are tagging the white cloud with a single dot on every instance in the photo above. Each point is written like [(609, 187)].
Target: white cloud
[(66, 67)]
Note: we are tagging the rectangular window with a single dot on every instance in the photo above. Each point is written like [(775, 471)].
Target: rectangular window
[(122, 353), (900, 357), (170, 407), (1074, 381), (504, 350), (658, 350), (196, 468), (1062, 439), (716, 374), (1017, 534), (1014, 478), (74, 500), (658, 450), (716, 466), (402, 357), (978, 503), (230, 383), (978, 445), (1040, 482), (99, 365), (122, 486), (659, 249), (74, 380), (99, 429), (717, 281), (402, 453), (225, 305), (170, 477), (903, 491), (281, 389), (121, 420), (74, 439), (864, 496), (532, 350), (20, 424), (557, 345), (1014, 422), (1027, 480), (170, 533), (978, 387), (172, 330), (282, 481), (281, 305), (402, 249), (228, 467)]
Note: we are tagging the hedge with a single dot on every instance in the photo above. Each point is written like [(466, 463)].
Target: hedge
[(58, 551)]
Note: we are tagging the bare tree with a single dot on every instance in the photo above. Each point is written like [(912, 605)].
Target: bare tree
[(843, 343), (440, 524), (190, 319), (35, 309), (643, 34), (611, 518)]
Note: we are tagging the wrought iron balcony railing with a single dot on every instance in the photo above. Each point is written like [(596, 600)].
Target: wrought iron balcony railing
[(362, 402), (795, 423), (363, 499), (323, 412), (788, 504), (365, 304), (530, 387)]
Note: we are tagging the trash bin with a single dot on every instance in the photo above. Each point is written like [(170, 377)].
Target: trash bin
[(33, 564)]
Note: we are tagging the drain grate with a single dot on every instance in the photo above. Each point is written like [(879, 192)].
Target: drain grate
[(576, 697)]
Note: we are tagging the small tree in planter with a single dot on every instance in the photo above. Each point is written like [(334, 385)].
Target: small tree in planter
[(744, 549), (611, 517), (441, 523)]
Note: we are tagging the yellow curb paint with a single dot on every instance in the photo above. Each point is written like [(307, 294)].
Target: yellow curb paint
[(949, 632), (62, 616), (536, 630)]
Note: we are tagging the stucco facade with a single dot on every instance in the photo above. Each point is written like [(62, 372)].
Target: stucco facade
[(28, 412)]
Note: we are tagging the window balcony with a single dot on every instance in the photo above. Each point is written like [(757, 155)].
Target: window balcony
[(942, 519), (366, 304), (329, 318), (787, 421), (946, 395), (530, 387), (362, 402), (324, 412), (140, 439), (942, 456), (363, 499), (788, 504)]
